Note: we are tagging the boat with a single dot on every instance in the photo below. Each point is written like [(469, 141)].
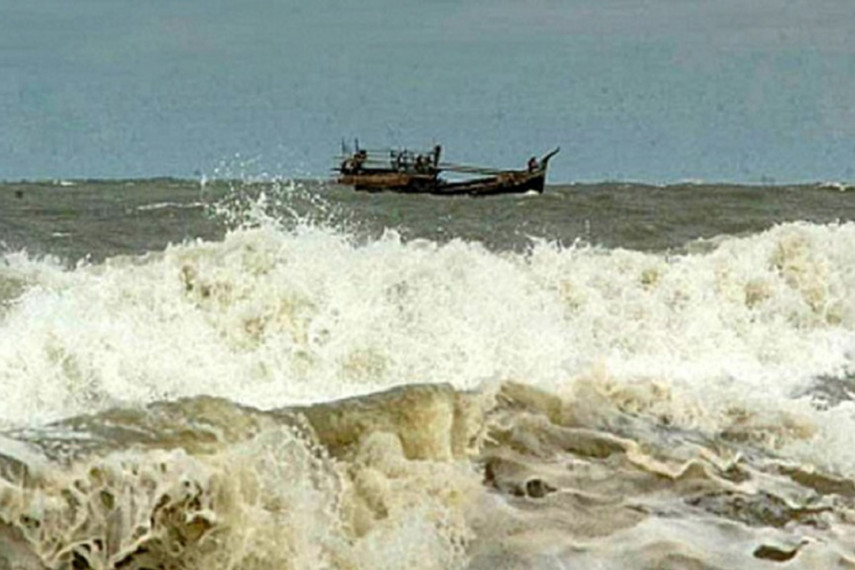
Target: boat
[(410, 172)]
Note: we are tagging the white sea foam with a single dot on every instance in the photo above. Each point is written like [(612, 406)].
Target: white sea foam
[(270, 317), (166, 205), (835, 185)]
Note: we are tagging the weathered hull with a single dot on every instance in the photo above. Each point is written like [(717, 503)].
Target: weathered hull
[(505, 183), (390, 181), (509, 183)]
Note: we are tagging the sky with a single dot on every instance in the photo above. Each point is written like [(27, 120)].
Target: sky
[(637, 90)]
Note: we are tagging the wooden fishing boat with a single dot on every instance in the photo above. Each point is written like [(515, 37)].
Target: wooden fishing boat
[(419, 173)]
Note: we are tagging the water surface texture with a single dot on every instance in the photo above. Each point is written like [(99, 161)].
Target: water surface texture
[(278, 374)]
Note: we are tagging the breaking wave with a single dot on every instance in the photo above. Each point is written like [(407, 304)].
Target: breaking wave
[(298, 398)]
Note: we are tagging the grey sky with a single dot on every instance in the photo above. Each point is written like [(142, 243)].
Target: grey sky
[(655, 90)]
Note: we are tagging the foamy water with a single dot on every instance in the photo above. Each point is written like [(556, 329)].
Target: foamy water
[(569, 404)]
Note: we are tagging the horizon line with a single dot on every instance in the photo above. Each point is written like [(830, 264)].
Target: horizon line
[(770, 182)]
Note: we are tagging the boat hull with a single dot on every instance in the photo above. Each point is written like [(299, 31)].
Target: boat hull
[(506, 183), (512, 182), (390, 182)]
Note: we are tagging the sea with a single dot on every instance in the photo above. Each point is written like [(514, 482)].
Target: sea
[(261, 373)]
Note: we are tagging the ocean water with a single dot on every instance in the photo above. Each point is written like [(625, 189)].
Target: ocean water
[(267, 374)]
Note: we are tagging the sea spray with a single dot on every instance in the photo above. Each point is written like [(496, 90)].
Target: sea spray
[(214, 402), (424, 476), (201, 482), (270, 317)]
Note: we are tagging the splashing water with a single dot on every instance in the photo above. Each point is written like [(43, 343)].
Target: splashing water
[(563, 404)]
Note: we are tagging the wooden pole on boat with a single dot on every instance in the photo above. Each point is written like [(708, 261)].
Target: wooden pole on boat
[(468, 169)]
